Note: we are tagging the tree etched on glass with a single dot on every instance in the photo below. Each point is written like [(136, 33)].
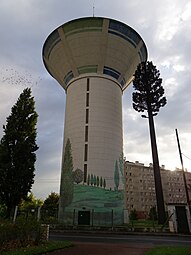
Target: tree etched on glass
[(67, 182), (149, 97), (121, 167), (116, 175)]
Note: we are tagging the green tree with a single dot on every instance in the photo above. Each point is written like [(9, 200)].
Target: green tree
[(31, 202), (67, 184), (2, 211), (52, 201), (133, 215), (116, 175), (51, 204), (17, 152), (153, 213), (149, 97)]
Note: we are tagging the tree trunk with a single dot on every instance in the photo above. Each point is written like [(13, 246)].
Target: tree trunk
[(156, 169), (9, 211)]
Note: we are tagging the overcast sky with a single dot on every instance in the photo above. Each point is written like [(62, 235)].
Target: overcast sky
[(164, 25)]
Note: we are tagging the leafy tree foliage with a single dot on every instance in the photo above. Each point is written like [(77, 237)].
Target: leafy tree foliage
[(30, 202), (116, 175), (149, 93), (67, 184), (133, 215), (153, 213), (17, 152), (51, 202), (2, 211)]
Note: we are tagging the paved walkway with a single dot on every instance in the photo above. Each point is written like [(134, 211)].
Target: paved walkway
[(104, 249)]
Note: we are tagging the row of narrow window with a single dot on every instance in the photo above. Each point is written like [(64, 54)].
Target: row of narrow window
[(86, 130)]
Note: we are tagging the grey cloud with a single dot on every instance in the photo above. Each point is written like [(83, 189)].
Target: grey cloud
[(24, 28)]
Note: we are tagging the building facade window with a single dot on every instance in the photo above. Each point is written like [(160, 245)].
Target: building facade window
[(85, 172), (86, 133), (86, 152), (87, 116), (87, 100), (88, 84)]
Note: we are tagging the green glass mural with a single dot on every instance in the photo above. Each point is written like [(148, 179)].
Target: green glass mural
[(116, 175), (67, 183), (103, 205)]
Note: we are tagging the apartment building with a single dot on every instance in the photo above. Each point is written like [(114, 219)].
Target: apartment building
[(140, 187)]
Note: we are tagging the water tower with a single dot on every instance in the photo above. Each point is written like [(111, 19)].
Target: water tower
[(94, 60)]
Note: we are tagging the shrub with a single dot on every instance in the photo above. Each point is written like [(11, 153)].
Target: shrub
[(133, 215), (153, 214), (20, 234), (2, 211)]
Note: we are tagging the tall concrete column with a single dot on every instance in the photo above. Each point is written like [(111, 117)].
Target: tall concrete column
[(94, 60)]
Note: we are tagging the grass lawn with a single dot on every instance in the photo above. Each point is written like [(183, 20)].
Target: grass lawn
[(170, 250), (40, 249), (144, 223)]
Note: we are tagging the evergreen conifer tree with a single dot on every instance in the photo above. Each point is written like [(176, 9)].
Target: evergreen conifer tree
[(17, 152), (149, 97)]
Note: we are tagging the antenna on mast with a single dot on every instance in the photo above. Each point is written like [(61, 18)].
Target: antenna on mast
[(93, 8)]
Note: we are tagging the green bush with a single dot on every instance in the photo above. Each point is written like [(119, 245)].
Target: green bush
[(50, 220), (153, 214), (8, 231), (133, 215), (28, 230), (2, 211), (20, 234)]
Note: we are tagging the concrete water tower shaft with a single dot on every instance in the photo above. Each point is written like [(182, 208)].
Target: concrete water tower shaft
[(94, 60)]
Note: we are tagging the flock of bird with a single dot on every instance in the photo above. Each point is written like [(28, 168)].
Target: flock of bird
[(14, 77)]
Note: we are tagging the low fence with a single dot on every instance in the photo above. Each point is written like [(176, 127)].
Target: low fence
[(73, 217)]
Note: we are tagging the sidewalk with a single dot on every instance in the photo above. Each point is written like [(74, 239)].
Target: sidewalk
[(104, 249)]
